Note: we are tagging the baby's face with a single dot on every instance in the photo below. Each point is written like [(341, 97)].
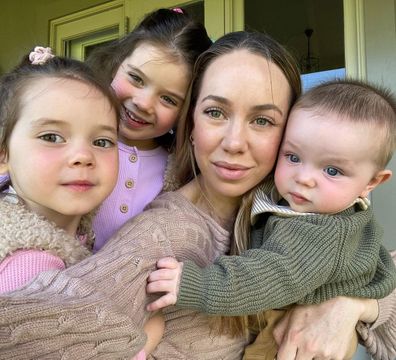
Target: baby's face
[(325, 162)]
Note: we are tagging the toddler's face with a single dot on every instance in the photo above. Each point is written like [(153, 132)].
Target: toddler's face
[(152, 90), (325, 162), (63, 158)]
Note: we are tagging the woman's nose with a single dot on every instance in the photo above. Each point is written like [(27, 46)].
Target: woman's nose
[(235, 137)]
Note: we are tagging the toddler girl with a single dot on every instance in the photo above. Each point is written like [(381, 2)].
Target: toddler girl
[(59, 160)]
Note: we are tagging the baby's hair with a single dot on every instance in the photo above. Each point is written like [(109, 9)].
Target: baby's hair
[(14, 85), (177, 34), (359, 101)]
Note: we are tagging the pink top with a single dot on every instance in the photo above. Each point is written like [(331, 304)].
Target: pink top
[(22, 266), (140, 180)]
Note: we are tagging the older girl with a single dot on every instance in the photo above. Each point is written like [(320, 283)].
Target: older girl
[(149, 70)]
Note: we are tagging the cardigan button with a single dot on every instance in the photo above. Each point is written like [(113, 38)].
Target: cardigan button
[(124, 208), (133, 158), (129, 183)]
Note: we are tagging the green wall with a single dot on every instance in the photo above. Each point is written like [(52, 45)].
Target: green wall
[(25, 23)]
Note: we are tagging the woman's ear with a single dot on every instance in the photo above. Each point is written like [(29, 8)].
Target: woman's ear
[(379, 178), (3, 162)]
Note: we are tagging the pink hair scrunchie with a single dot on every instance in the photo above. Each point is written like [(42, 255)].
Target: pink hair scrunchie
[(40, 55), (178, 10)]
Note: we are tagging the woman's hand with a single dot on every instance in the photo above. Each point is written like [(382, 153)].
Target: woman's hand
[(323, 331), (165, 279)]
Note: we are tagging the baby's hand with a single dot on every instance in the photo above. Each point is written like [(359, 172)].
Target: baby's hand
[(165, 279)]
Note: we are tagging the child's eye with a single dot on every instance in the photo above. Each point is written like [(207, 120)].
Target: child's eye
[(54, 138), (136, 79), (105, 143), (293, 158), (332, 171), (169, 100), (214, 113)]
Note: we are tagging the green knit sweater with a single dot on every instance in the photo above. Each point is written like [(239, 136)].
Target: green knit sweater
[(300, 259)]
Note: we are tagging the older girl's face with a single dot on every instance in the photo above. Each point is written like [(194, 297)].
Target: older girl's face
[(239, 120), (151, 88)]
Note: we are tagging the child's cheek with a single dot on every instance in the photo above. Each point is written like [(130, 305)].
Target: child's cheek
[(281, 175), (49, 164), (111, 164), (119, 88)]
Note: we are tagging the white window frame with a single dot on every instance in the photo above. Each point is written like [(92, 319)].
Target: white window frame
[(88, 22)]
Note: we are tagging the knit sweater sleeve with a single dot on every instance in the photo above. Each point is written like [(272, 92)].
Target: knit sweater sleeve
[(23, 265), (379, 338), (281, 272), (306, 259)]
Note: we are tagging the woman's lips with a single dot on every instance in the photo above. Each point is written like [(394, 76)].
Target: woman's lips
[(230, 171)]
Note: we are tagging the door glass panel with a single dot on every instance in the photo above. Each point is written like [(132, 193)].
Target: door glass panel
[(312, 30), (80, 47)]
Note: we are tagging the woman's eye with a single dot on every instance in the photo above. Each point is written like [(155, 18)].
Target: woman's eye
[(214, 113), (169, 100), (105, 143), (261, 121), (54, 138), (293, 158), (332, 171)]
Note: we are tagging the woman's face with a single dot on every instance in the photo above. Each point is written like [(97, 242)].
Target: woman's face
[(239, 119)]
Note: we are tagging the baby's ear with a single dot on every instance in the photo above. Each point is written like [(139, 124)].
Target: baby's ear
[(3, 162), (379, 178)]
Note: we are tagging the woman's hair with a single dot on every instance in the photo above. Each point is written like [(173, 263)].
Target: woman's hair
[(15, 84), (259, 44), (176, 33), (360, 102)]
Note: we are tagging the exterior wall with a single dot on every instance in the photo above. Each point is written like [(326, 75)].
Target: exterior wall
[(26, 23)]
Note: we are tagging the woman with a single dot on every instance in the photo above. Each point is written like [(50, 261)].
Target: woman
[(96, 309)]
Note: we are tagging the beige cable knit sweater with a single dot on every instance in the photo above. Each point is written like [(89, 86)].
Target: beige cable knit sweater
[(96, 309)]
